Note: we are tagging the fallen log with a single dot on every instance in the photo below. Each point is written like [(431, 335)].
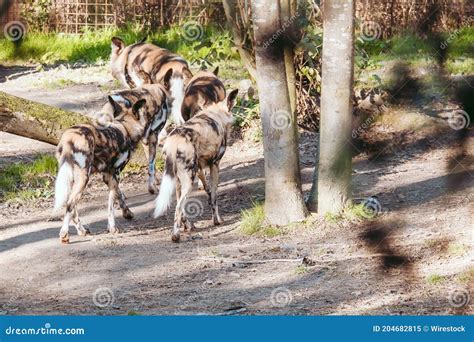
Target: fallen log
[(35, 120)]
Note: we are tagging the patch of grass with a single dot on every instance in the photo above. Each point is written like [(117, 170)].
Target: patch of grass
[(435, 279), (333, 217), (457, 249), (253, 223), (353, 212), (136, 167), (301, 269), (358, 212), (252, 219), (28, 181), (460, 66), (415, 49), (466, 276), (57, 83), (133, 313), (94, 46), (107, 87)]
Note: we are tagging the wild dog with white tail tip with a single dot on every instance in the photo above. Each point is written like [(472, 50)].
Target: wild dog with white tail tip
[(91, 148), (157, 103), (199, 143)]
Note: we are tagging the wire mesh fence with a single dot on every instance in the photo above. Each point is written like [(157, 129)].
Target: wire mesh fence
[(75, 16)]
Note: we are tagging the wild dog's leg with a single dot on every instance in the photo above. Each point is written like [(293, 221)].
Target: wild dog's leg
[(177, 213), (64, 232), (214, 182), (186, 189), (112, 182), (80, 181), (202, 178), (108, 179), (152, 142), (81, 230)]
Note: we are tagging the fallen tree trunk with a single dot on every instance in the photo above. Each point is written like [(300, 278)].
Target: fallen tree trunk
[(35, 120)]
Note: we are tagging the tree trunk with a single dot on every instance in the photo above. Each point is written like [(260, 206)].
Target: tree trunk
[(247, 58), (334, 178), (287, 14), (35, 120), (283, 197)]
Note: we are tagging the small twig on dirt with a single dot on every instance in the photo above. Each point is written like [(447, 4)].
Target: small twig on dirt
[(305, 260)]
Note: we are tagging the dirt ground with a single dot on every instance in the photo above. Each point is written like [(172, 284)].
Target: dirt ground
[(416, 257)]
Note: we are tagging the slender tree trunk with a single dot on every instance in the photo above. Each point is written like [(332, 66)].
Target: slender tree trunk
[(333, 190), (283, 196), (35, 120), (288, 11), (247, 58)]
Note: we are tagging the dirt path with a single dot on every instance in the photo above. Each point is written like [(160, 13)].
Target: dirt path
[(417, 257)]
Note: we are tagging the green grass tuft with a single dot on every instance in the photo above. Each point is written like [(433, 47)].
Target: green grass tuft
[(253, 223), (353, 212), (435, 279), (301, 269), (466, 276), (28, 181)]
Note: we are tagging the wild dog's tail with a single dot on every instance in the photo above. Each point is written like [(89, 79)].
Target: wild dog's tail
[(168, 182), (63, 184)]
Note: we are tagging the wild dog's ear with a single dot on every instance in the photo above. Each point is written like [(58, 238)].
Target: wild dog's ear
[(231, 98), (117, 45), (137, 107), (145, 77), (187, 75), (115, 106), (216, 71), (167, 78)]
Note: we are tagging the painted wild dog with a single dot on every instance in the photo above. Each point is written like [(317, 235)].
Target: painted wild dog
[(188, 150), (157, 102), (202, 90), (92, 148), (126, 62)]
